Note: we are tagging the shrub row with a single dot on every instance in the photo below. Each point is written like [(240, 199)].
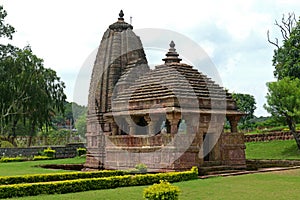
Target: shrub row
[(6, 180), (21, 159), (15, 159), (79, 185)]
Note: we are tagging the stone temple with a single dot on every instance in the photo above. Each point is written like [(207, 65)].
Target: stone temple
[(168, 118)]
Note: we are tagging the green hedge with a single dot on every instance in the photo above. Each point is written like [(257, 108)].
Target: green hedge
[(79, 185), (6, 180), (35, 158), (21, 159), (15, 159)]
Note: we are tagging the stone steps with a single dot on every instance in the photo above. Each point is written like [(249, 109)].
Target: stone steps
[(219, 169)]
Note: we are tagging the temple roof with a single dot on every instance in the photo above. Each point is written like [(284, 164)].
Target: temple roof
[(174, 80)]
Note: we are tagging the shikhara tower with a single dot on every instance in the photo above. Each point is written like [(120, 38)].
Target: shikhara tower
[(169, 118)]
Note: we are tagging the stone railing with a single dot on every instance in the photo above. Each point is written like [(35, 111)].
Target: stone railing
[(67, 151), (280, 135)]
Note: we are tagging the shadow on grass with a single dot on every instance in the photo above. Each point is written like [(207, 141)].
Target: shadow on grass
[(291, 151)]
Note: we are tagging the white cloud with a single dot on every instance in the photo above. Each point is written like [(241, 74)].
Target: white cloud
[(233, 33)]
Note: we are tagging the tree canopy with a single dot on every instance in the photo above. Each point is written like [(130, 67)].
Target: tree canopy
[(29, 92), (286, 59), (283, 102), (245, 103)]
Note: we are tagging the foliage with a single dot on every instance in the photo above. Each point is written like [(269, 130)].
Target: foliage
[(245, 103), (29, 93), (78, 185), (163, 190), (35, 178), (15, 159), (21, 159), (286, 59), (49, 152), (266, 122), (81, 151), (41, 158), (80, 125), (283, 102), (6, 144), (141, 168), (73, 112), (6, 30)]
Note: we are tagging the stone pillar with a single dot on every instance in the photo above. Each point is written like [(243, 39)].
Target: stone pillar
[(132, 125), (151, 124), (233, 120), (200, 145), (114, 128), (173, 119)]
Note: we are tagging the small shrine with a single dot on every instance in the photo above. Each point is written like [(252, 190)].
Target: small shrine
[(168, 118)]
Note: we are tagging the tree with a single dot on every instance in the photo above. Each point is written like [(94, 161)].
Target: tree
[(28, 91), (283, 102), (286, 59), (245, 103), (6, 30), (80, 125)]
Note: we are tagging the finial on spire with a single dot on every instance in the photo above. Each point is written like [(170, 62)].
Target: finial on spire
[(121, 15), (172, 44), (172, 55)]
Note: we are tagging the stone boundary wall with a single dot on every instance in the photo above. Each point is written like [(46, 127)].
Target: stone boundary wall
[(280, 135), (67, 151), (256, 164)]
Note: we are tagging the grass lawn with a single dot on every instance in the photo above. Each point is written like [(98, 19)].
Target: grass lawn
[(275, 185), (28, 167), (276, 149)]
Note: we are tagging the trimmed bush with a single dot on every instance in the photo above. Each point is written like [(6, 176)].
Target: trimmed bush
[(163, 190), (41, 158), (141, 168), (15, 159), (81, 151), (79, 185), (6, 144), (49, 152)]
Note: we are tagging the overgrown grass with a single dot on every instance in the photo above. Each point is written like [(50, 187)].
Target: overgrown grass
[(276, 185), (276, 149), (29, 167)]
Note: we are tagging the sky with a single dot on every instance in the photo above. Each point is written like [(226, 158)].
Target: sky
[(67, 33)]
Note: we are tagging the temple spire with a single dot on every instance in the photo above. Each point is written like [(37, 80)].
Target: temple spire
[(172, 55)]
